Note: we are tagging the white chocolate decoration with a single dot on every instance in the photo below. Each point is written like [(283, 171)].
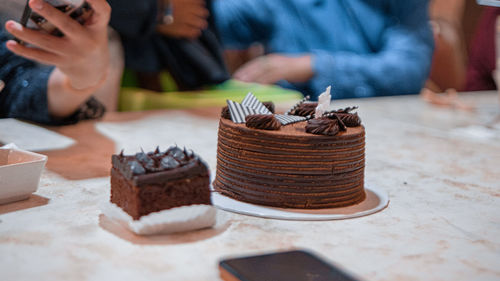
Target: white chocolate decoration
[(323, 103)]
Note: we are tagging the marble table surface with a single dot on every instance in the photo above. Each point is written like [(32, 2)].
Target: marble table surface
[(440, 167)]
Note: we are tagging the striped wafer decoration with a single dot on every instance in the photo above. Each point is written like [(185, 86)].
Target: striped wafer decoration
[(238, 111), (289, 119), (252, 102)]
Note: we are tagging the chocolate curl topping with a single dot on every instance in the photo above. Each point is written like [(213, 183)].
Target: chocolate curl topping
[(322, 126), (342, 126), (334, 115), (349, 119), (347, 109), (291, 110), (225, 113), (263, 122), (269, 105), (305, 109)]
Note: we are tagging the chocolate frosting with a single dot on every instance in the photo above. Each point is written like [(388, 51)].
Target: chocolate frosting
[(350, 119), (336, 117), (346, 119), (225, 113), (262, 121), (159, 166), (322, 126), (269, 105), (305, 109), (292, 110)]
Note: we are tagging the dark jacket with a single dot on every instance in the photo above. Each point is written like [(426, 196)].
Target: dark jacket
[(192, 63)]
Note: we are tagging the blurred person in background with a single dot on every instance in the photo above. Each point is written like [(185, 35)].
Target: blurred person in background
[(363, 48), (50, 81), (482, 54), (177, 36)]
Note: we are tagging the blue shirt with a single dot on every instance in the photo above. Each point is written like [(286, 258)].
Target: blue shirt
[(362, 48)]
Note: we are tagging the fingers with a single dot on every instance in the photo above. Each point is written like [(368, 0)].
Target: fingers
[(62, 21), (196, 22), (188, 2), (201, 12), (272, 68), (179, 31), (264, 70), (251, 70), (33, 53), (102, 12), (267, 77), (36, 38)]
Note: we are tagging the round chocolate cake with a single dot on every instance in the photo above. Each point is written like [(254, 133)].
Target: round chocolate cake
[(308, 164)]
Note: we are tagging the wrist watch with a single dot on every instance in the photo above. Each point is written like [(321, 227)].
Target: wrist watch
[(165, 15)]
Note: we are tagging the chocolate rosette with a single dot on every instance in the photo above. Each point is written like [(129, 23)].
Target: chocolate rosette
[(322, 126), (225, 113), (350, 119), (292, 110), (347, 119), (262, 121), (340, 123), (305, 109), (270, 106)]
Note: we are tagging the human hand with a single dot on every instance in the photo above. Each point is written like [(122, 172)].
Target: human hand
[(272, 68), (81, 54), (189, 19)]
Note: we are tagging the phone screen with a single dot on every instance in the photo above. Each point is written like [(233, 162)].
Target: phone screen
[(78, 10), (296, 265)]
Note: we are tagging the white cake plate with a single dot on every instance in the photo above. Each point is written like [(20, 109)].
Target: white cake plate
[(376, 200)]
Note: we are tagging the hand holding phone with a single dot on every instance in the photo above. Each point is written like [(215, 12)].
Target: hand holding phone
[(285, 266), (79, 10), (81, 55)]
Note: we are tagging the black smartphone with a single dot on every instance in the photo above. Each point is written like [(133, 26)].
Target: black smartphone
[(78, 10), (297, 265)]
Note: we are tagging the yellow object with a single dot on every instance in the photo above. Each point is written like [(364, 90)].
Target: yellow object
[(136, 99)]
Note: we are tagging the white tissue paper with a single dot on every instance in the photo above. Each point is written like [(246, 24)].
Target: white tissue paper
[(173, 220), (10, 146)]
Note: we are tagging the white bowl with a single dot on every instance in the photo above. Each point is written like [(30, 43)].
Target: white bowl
[(20, 172)]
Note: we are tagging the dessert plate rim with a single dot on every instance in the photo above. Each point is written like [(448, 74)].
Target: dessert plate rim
[(376, 200)]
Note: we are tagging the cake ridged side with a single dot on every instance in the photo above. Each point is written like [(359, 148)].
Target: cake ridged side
[(290, 168)]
